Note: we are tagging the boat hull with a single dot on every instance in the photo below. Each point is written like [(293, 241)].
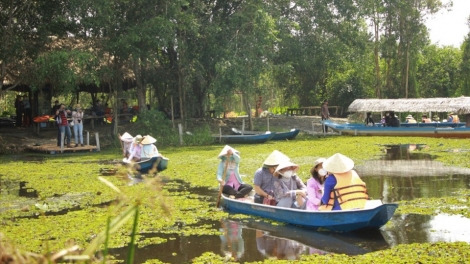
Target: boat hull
[(344, 221), (422, 131), (245, 139), (144, 166), (289, 135)]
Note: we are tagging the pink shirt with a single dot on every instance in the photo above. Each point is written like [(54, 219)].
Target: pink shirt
[(232, 181), (314, 194)]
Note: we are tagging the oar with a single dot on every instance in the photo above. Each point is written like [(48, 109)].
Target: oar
[(122, 146), (221, 186)]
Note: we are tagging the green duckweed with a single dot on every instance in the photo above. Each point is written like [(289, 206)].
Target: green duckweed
[(73, 205)]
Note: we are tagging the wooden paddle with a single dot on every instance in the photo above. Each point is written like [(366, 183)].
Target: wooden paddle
[(221, 186), (122, 146)]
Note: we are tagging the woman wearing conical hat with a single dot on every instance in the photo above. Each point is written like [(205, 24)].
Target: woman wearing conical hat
[(289, 190), (343, 187), (127, 140), (264, 176), (232, 182), (149, 150), (136, 149)]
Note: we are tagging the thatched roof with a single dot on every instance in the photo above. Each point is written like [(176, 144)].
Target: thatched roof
[(458, 105)]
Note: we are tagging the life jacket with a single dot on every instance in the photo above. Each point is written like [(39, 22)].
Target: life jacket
[(350, 191), (455, 119)]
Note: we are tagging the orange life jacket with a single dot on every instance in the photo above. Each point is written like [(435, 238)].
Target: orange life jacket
[(455, 119), (350, 191)]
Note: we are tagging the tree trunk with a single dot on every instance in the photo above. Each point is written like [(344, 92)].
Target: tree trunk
[(407, 72), (376, 54)]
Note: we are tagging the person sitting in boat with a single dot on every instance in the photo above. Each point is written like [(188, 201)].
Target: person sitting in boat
[(425, 119), (453, 118), (127, 140), (369, 121), (315, 185), (232, 182), (343, 187), (393, 122), (383, 121), (289, 190), (149, 150), (264, 178), (435, 119), (135, 150), (410, 120)]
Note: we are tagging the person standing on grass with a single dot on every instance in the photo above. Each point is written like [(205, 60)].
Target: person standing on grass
[(325, 113)]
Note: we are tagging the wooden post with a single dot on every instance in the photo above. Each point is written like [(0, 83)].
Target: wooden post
[(267, 120), (62, 137), (92, 123), (313, 128), (220, 135), (243, 126), (467, 120), (180, 129), (172, 112), (97, 137), (88, 138)]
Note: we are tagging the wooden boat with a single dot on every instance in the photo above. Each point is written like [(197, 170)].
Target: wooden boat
[(244, 139), (404, 131), (374, 216), (288, 135), (159, 163)]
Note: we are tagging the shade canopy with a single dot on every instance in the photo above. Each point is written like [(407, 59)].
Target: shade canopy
[(458, 105)]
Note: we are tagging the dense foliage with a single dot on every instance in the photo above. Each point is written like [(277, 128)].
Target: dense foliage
[(230, 55)]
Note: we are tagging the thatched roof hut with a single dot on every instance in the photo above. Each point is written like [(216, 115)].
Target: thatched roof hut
[(458, 105)]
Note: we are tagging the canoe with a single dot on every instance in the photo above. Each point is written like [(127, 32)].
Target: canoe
[(374, 216), (403, 131), (145, 165), (244, 139), (288, 135)]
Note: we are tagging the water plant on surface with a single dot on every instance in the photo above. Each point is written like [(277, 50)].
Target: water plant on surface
[(77, 207)]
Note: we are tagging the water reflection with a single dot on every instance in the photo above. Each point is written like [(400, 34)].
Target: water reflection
[(413, 228), (232, 244)]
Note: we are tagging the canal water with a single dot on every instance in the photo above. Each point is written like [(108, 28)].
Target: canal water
[(403, 173)]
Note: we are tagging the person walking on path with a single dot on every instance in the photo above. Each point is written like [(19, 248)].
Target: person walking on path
[(325, 114)]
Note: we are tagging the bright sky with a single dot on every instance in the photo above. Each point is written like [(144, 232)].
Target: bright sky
[(450, 27)]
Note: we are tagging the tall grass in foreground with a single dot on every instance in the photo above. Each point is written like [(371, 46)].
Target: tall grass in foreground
[(10, 254)]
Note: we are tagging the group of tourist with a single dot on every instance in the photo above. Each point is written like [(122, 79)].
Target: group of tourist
[(24, 114), (134, 149), (391, 120), (63, 125), (333, 185)]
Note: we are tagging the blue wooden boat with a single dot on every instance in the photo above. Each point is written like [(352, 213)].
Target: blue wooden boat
[(159, 163), (344, 220), (288, 135), (244, 139), (404, 131)]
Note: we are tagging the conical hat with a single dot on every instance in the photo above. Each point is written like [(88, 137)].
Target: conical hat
[(127, 136), (275, 158), (137, 139), (318, 161), (226, 149), (148, 140), (338, 163), (285, 164)]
